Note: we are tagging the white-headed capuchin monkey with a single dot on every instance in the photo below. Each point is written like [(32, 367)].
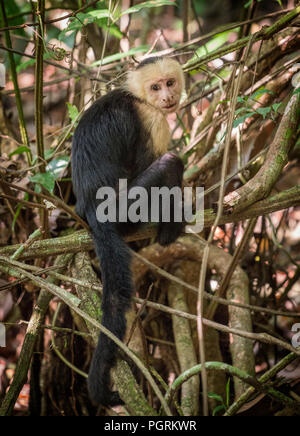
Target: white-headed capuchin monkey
[(124, 135)]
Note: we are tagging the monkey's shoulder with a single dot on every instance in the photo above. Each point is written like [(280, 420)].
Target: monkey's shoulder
[(116, 99), (115, 103), (110, 123)]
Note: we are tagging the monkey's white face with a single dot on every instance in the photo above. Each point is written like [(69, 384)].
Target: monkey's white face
[(159, 84), (164, 93)]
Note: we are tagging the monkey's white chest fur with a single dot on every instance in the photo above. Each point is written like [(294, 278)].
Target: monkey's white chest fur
[(156, 124)]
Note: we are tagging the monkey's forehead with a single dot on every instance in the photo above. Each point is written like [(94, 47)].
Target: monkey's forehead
[(160, 70), (162, 65)]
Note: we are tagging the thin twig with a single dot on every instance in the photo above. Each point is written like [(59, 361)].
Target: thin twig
[(13, 70)]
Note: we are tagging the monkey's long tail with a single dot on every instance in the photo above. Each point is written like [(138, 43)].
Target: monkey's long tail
[(114, 256)]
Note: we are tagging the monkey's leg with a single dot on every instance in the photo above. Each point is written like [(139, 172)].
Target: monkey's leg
[(166, 171)]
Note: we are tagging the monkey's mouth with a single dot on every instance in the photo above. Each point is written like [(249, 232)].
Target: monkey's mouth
[(170, 106)]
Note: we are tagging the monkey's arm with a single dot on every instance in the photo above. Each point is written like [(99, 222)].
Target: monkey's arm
[(104, 147)]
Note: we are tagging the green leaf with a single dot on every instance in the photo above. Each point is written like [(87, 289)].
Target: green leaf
[(148, 4), (57, 166), (49, 153), (12, 9), (228, 392), (264, 111), (260, 92), (76, 23), (243, 109), (118, 56), (113, 30), (73, 26), (47, 180), (248, 4), (215, 397), (219, 409), (20, 150), (242, 99), (24, 65), (73, 113), (276, 106), (241, 120), (224, 101), (98, 14), (296, 91), (30, 62), (54, 170), (213, 44)]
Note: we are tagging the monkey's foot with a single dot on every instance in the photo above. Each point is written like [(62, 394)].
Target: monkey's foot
[(168, 233)]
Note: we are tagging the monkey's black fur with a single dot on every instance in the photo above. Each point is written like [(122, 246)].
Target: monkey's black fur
[(109, 144), (148, 61)]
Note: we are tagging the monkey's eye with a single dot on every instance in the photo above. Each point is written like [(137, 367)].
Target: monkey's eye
[(170, 83), (155, 87)]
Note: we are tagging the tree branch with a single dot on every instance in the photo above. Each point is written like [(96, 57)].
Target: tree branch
[(277, 157)]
